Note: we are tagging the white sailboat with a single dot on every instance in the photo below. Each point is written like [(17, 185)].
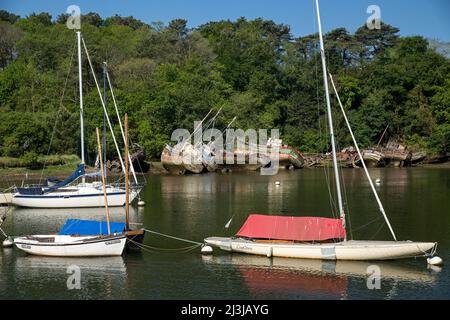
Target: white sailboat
[(313, 237), (71, 193), (80, 238)]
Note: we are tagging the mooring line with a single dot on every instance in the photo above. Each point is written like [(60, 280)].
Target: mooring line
[(165, 250), (172, 237)]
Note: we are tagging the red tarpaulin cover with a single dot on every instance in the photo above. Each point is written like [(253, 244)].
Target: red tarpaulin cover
[(291, 228)]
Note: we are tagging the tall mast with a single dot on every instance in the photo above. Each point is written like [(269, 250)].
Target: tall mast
[(127, 187), (330, 119), (81, 98), (104, 115)]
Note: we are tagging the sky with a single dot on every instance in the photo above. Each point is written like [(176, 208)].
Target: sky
[(428, 18)]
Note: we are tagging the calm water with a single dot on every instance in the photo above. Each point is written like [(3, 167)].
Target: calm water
[(194, 207)]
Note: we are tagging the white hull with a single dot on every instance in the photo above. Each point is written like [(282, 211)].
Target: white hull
[(75, 197), (6, 198), (70, 246), (348, 250)]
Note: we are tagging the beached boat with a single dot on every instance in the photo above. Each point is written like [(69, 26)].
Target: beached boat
[(318, 237)]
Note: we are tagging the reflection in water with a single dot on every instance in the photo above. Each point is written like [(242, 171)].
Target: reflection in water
[(198, 206), (22, 221), (99, 277), (314, 278)]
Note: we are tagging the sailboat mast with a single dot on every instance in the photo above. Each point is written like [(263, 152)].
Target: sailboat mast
[(81, 98), (330, 119), (104, 115), (127, 183)]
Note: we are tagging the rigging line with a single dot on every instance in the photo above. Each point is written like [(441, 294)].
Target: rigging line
[(366, 224), (104, 107), (120, 122), (325, 167), (379, 229), (381, 208), (58, 112)]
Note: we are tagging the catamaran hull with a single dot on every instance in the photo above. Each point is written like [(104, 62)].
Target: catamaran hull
[(87, 248), (349, 250), (53, 200)]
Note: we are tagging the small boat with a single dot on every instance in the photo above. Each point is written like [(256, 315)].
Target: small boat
[(311, 238), (87, 238), (290, 157), (372, 159), (318, 237), (192, 159), (78, 238), (171, 161)]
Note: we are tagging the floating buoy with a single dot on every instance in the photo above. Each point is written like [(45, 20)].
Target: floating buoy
[(434, 261), (207, 250), (277, 183), (378, 181), (8, 242), (141, 203)]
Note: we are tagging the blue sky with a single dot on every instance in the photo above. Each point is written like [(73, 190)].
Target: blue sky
[(429, 18)]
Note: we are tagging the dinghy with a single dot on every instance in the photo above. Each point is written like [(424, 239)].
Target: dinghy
[(77, 238), (316, 237)]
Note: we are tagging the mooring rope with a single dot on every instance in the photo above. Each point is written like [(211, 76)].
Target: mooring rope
[(165, 250), (172, 237)]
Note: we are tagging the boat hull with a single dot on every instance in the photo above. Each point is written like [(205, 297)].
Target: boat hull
[(93, 198), (348, 250), (68, 246)]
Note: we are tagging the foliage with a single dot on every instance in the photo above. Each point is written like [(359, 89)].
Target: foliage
[(168, 76)]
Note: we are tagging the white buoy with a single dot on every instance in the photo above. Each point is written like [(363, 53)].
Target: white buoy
[(378, 181), (207, 250), (435, 261), (141, 203), (8, 242), (277, 183)]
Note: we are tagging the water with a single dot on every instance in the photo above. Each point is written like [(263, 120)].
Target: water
[(194, 207)]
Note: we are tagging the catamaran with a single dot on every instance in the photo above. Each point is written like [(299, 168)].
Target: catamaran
[(317, 237), (71, 193)]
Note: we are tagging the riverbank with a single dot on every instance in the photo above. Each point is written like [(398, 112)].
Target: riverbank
[(156, 168)]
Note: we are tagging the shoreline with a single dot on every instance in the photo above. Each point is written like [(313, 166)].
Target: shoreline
[(156, 168)]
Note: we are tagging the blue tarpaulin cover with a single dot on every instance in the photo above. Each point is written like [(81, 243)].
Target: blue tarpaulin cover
[(90, 227)]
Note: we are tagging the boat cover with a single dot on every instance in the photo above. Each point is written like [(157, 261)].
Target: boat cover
[(90, 227), (39, 190), (75, 175), (291, 228)]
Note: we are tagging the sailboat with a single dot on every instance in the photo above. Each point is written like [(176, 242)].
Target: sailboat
[(80, 238), (85, 238), (317, 237), (71, 193)]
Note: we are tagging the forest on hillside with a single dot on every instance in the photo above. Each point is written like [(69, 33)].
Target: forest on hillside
[(167, 76)]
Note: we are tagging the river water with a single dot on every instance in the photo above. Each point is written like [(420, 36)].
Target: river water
[(417, 201)]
